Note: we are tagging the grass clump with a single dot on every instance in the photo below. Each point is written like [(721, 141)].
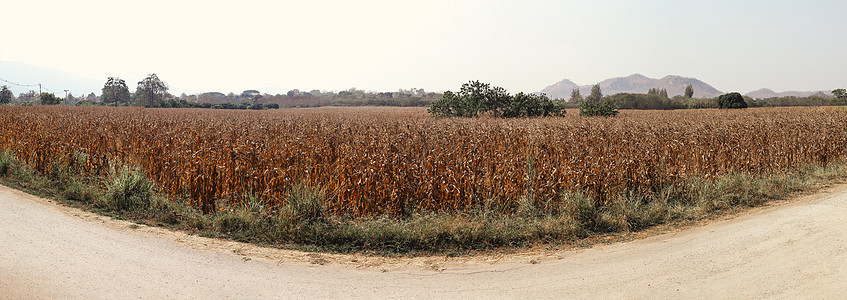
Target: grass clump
[(304, 205), (127, 188), (5, 163)]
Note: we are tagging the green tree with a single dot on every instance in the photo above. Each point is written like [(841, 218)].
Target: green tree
[(475, 98), (115, 92), (731, 100), (593, 106), (49, 99), (689, 91), (839, 93), (6, 95), (595, 95), (531, 105), (575, 96), (592, 109), (151, 92), (658, 92)]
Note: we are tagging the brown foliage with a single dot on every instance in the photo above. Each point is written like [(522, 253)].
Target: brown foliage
[(375, 161)]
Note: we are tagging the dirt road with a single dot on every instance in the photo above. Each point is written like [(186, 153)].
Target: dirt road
[(795, 250)]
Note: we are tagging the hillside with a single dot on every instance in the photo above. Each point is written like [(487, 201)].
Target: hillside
[(636, 83), (768, 93), (53, 81)]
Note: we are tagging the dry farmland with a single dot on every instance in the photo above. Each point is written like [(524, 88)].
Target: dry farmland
[(388, 161)]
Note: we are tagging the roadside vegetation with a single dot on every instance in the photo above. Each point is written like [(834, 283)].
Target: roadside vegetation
[(305, 223), (447, 186)]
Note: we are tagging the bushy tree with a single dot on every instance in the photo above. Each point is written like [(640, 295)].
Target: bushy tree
[(576, 97), (49, 99), (530, 105), (6, 95), (151, 92), (595, 95), (839, 93), (689, 91), (658, 92), (475, 98), (731, 100), (115, 92), (592, 106), (595, 109)]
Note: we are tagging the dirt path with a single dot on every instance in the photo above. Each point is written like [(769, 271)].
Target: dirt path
[(796, 250)]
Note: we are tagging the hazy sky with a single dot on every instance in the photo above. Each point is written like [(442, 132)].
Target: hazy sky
[(436, 45)]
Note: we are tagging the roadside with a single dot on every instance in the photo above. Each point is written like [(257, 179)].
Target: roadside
[(789, 249), (305, 223)]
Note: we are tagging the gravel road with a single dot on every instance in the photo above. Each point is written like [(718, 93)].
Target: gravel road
[(796, 249)]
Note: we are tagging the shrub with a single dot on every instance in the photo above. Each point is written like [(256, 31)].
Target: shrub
[(592, 109), (304, 205), (127, 188), (49, 99), (731, 100)]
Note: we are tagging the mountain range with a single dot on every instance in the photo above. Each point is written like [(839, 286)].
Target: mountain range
[(768, 93), (13, 74), (635, 83), (675, 85)]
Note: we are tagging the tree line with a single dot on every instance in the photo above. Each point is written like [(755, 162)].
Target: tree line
[(153, 92), (476, 98), (657, 99)]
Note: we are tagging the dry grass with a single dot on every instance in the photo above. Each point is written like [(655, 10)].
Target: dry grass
[(398, 162)]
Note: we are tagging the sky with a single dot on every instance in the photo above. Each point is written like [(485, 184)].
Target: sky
[(526, 45)]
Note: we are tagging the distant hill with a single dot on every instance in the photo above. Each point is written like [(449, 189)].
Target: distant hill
[(51, 80), (561, 89), (768, 93), (635, 83)]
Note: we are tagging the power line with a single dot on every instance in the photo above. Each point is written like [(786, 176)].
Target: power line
[(40, 87), (18, 84)]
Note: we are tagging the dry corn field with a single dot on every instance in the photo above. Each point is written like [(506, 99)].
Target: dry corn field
[(388, 161)]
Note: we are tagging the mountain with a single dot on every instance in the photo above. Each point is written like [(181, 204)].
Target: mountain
[(51, 80), (768, 93), (561, 89), (635, 83)]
